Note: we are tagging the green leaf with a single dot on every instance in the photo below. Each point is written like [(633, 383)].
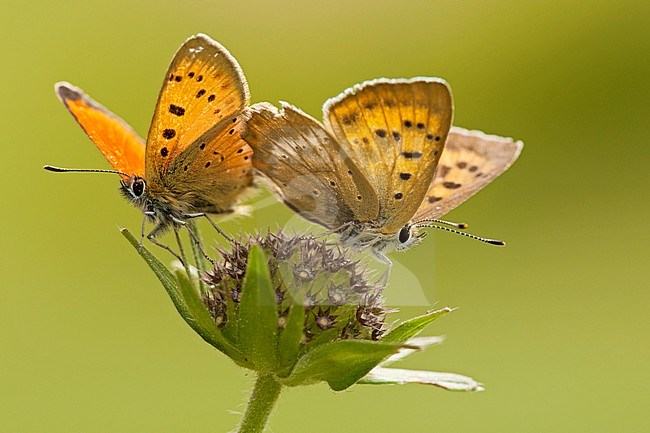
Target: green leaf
[(163, 274), (448, 381), (291, 336), (340, 363), (229, 329), (412, 327), (257, 321), (321, 338), (187, 302), (205, 326)]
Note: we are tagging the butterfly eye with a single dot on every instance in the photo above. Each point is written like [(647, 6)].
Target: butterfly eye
[(404, 234), (138, 187)]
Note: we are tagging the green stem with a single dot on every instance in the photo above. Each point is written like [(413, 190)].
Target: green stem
[(264, 396)]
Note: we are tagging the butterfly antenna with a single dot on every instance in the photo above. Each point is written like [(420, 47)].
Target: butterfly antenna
[(437, 221), (468, 235), (82, 170)]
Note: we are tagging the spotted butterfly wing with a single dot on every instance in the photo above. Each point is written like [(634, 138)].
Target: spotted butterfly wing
[(308, 168), (395, 130), (115, 139), (214, 171), (194, 148), (470, 161)]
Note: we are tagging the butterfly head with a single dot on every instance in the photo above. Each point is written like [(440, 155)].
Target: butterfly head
[(134, 188), (408, 236)]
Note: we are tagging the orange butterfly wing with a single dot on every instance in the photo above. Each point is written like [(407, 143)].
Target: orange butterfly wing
[(212, 173), (117, 141), (204, 88), (395, 131)]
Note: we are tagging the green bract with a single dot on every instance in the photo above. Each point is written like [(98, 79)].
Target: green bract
[(297, 312), (301, 312)]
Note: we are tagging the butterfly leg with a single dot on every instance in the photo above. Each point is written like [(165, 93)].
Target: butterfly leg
[(383, 258), (196, 240), (152, 237), (353, 234), (199, 245), (144, 225), (211, 221), (188, 269), (337, 230)]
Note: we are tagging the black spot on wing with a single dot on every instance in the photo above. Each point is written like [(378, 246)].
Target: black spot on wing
[(451, 185), (169, 133), (443, 170), (176, 110), (405, 176)]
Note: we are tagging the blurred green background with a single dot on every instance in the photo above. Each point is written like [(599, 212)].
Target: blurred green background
[(555, 325)]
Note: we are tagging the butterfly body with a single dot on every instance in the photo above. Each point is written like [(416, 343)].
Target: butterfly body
[(371, 172), (194, 161)]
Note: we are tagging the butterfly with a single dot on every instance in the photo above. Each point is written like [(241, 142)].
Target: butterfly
[(385, 162), (194, 161)]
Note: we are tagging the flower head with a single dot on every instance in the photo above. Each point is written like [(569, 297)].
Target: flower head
[(335, 292), (299, 311)]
